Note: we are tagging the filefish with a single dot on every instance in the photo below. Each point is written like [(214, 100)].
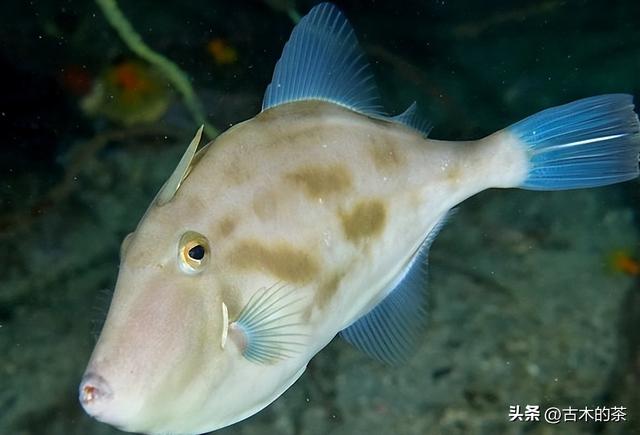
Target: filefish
[(312, 219)]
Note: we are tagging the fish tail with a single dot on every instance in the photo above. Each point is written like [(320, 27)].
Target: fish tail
[(588, 143)]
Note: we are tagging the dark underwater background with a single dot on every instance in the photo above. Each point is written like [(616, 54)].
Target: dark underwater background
[(534, 296)]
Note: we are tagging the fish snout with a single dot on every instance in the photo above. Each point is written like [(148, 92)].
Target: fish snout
[(94, 394)]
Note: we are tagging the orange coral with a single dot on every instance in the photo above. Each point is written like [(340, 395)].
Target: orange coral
[(622, 261), (128, 76), (223, 53), (128, 92), (133, 79)]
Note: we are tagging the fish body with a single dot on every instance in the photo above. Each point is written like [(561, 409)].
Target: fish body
[(372, 188), (311, 219)]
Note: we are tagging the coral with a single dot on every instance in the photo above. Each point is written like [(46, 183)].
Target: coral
[(174, 74), (129, 93)]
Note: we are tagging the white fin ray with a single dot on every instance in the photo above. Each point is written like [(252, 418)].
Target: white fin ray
[(225, 325)]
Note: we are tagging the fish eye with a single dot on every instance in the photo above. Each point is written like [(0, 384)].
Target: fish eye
[(197, 252), (193, 252)]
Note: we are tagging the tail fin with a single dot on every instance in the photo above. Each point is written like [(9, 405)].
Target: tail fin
[(588, 143)]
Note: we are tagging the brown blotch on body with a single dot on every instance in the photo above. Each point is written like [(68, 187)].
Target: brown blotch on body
[(236, 176), (280, 260), (265, 204), (236, 170), (385, 155), (320, 181), (454, 173), (367, 219), (226, 226), (328, 289)]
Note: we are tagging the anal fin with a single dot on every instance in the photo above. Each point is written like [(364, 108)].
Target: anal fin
[(390, 331)]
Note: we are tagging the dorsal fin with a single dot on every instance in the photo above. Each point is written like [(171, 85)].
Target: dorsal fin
[(390, 331), (172, 185), (323, 61), (411, 118)]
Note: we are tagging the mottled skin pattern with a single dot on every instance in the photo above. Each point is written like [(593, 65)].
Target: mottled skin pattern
[(308, 194)]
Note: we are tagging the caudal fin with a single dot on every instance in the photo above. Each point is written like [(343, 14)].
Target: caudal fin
[(588, 143)]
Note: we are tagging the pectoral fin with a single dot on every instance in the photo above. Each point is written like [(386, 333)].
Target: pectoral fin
[(268, 329)]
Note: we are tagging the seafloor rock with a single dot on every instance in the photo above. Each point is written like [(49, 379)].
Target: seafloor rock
[(523, 311)]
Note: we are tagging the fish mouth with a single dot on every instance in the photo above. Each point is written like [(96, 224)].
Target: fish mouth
[(95, 394)]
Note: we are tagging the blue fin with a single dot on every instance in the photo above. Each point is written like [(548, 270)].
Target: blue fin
[(390, 331), (323, 61), (588, 143), (411, 118), (268, 328)]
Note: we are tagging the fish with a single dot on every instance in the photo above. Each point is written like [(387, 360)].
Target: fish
[(310, 220)]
